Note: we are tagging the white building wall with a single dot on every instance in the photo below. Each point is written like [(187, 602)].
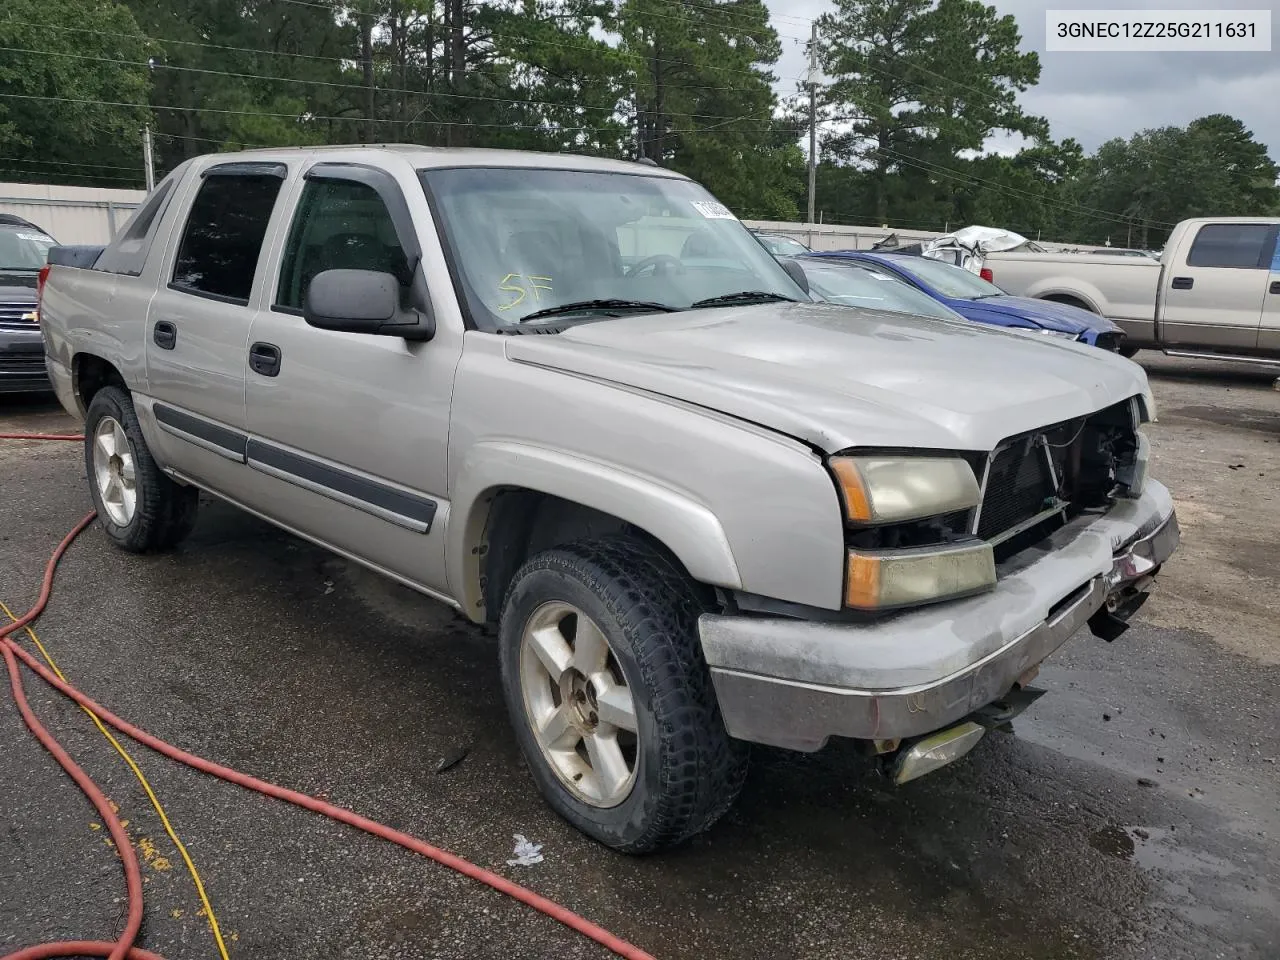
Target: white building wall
[(71, 215)]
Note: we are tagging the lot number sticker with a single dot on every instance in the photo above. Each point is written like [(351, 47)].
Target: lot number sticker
[(712, 210)]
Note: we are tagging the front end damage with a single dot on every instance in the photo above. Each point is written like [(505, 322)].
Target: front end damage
[(1078, 534)]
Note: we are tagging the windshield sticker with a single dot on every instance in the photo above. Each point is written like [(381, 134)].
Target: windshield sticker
[(533, 288), (881, 276), (712, 210), (35, 237)]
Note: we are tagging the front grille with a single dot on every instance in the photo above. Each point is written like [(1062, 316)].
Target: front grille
[(1020, 485), (11, 316), (19, 364)]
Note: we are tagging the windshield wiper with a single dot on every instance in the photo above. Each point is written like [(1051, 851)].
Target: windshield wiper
[(603, 306), (742, 296)]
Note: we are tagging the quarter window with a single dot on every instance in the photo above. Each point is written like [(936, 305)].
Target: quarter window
[(223, 237), (339, 225), (1241, 245)]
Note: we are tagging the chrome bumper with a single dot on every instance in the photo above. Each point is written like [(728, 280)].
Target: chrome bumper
[(921, 671)]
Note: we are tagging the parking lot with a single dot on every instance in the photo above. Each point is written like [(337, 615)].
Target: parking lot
[(1135, 814)]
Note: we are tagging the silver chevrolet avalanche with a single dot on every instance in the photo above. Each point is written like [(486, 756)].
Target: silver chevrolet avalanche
[(576, 399)]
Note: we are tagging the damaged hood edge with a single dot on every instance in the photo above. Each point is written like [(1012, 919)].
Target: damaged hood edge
[(838, 377)]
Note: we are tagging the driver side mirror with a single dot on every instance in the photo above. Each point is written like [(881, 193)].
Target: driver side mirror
[(796, 273), (362, 301)]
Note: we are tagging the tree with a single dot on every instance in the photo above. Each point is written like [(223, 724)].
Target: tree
[(916, 82), (73, 92), (703, 100), (1157, 177)]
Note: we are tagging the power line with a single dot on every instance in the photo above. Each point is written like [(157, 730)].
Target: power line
[(308, 117), (64, 163), (346, 61), (353, 86), (951, 173)]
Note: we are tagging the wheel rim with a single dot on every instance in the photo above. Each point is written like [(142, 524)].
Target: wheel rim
[(578, 704), (114, 471)]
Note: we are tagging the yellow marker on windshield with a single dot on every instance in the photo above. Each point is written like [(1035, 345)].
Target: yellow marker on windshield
[(504, 285)]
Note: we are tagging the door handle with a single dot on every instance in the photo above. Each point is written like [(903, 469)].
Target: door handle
[(1275, 286), (165, 335), (1183, 283), (264, 358)]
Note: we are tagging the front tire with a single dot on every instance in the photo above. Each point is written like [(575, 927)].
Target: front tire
[(610, 696), (141, 509)]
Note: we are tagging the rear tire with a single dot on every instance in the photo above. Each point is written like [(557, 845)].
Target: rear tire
[(141, 509), (680, 770)]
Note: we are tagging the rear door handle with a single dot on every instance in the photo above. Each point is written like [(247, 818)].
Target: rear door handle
[(1183, 283), (264, 358), (1275, 286), (165, 335)]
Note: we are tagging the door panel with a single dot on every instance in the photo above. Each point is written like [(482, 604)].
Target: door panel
[(353, 428), (1269, 332), (198, 322), (1214, 297)]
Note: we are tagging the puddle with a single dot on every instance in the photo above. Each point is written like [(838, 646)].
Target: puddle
[(1114, 841)]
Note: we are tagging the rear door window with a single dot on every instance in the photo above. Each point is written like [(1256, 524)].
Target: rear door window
[(128, 253), (1241, 245), (339, 225), (218, 255)]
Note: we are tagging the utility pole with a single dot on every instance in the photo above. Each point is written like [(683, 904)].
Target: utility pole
[(148, 163), (813, 113)]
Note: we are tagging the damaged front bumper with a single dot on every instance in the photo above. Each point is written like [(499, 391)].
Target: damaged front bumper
[(796, 683)]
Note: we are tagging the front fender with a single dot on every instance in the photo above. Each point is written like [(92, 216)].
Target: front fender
[(686, 526)]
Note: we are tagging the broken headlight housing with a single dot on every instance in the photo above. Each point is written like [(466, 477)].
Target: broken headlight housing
[(909, 540)]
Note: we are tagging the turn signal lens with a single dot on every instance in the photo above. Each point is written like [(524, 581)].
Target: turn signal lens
[(880, 580), (879, 489)]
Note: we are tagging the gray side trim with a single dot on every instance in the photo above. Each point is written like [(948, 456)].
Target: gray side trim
[(409, 510), (230, 443)]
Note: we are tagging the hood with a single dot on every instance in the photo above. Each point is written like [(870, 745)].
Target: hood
[(1043, 313), (838, 377), (18, 286)]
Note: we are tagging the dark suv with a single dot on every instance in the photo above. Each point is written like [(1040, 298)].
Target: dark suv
[(23, 248)]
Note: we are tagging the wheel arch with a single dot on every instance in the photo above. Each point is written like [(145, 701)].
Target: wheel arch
[(518, 499), (89, 374)]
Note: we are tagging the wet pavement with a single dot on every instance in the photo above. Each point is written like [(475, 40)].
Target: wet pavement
[(1135, 814)]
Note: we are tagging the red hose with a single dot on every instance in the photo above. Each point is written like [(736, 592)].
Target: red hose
[(121, 950)]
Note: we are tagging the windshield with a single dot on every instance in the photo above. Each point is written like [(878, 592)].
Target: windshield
[(525, 241), (23, 248), (783, 246), (857, 285), (949, 281)]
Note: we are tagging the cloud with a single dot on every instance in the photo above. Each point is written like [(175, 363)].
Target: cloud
[(1094, 97)]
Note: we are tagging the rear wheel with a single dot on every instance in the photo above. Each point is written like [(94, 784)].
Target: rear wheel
[(140, 508), (610, 697)]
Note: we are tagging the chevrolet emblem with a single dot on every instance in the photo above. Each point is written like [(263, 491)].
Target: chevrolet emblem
[(33, 316)]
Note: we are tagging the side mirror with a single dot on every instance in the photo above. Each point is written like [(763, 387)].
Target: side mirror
[(362, 301), (796, 273)]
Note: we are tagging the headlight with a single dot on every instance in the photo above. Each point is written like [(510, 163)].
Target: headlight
[(879, 580), (1062, 334), (882, 489)]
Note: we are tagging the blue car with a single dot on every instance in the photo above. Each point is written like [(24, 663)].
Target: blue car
[(983, 302)]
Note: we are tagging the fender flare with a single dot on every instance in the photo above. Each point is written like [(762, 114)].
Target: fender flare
[(687, 527)]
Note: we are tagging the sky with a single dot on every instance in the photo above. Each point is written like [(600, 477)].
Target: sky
[(1094, 97)]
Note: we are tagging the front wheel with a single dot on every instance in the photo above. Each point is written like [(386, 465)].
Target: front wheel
[(140, 508), (610, 696)]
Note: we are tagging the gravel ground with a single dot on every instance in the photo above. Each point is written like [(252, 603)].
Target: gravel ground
[(1136, 813)]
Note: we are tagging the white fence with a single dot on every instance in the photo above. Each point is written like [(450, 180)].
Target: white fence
[(71, 214)]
